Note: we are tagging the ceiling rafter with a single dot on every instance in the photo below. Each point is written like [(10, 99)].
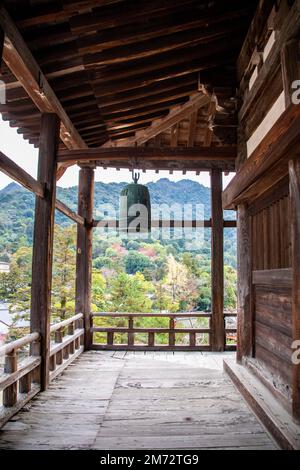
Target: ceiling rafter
[(175, 115)]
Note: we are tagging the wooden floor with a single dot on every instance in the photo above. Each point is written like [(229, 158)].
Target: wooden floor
[(108, 400)]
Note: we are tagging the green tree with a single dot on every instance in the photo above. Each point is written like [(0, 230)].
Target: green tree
[(131, 293), (64, 272), (137, 262)]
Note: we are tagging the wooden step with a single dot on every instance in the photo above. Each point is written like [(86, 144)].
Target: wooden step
[(270, 412)]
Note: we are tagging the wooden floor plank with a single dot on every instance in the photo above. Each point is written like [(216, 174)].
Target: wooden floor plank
[(138, 401)]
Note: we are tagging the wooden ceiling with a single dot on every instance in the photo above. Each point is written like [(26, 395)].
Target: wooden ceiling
[(118, 66)]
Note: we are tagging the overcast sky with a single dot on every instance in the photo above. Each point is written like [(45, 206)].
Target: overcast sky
[(20, 151)]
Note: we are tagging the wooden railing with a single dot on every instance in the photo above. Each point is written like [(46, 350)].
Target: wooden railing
[(192, 339), (66, 343), (20, 380)]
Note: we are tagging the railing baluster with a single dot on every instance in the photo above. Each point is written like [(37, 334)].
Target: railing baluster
[(192, 340), (172, 330), (110, 338), (130, 334), (10, 394), (59, 339), (71, 332), (25, 383), (21, 375), (35, 350), (172, 333), (151, 339)]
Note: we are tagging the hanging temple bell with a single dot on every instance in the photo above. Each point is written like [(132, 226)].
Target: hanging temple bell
[(135, 207)]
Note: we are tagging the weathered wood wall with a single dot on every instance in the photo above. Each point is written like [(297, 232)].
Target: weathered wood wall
[(266, 193)]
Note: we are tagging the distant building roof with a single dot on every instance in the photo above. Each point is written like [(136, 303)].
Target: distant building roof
[(7, 319), (4, 267)]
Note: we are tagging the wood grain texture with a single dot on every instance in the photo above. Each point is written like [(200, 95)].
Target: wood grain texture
[(84, 249), (217, 263), (43, 240), (19, 59), (174, 404), (294, 172), (11, 169), (245, 331)]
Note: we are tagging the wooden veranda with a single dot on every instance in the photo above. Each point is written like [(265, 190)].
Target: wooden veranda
[(177, 85)]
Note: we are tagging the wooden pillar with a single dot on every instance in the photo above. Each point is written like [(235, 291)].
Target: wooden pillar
[(43, 240), (294, 171), (217, 262), (84, 250), (244, 330)]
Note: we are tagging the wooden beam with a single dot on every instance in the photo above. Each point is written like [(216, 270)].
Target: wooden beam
[(11, 169), (217, 263), (178, 113), (21, 62), (192, 128), (43, 240), (211, 116), (61, 207), (152, 158), (84, 250), (257, 27), (289, 19), (146, 153), (159, 45), (117, 16), (294, 172), (282, 141), (244, 329)]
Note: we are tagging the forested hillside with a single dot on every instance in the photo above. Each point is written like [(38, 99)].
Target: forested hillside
[(17, 210)]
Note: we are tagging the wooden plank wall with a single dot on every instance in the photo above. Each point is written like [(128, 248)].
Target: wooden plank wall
[(273, 334), (272, 287), (271, 238)]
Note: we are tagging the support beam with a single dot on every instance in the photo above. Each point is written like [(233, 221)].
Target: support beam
[(294, 172), (217, 262), (84, 250), (43, 240), (191, 158), (21, 62), (11, 169), (244, 331), (61, 207), (178, 113)]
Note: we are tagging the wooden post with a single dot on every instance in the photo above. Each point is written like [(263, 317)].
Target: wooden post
[(84, 250), (217, 262), (294, 171), (10, 394), (43, 240), (130, 335), (244, 327)]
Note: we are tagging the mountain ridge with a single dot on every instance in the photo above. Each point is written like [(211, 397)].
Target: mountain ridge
[(17, 206)]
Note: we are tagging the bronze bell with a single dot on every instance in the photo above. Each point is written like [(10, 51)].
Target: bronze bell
[(135, 207)]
